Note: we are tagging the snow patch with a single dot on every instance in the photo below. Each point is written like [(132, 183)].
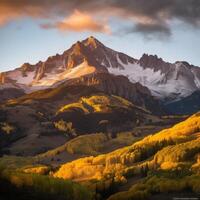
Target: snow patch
[(159, 84), (52, 78), (17, 76)]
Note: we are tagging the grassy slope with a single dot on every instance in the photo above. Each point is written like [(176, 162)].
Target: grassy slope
[(98, 103), (21, 178), (169, 160), (180, 143), (103, 113), (33, 117)]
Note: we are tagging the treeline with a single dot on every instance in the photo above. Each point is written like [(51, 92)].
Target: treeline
[(21, 186), (160, 185)]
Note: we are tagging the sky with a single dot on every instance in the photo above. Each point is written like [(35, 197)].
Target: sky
[(32, 30)]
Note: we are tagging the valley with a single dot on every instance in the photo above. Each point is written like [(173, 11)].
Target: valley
[(94, 124)]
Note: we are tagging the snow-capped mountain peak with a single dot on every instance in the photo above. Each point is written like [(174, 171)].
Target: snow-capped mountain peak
[(168, 81)]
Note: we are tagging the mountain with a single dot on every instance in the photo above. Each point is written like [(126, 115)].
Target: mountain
[(166, 81), (73, 63), (169, 81), (187, 105), (121, 86), (101, 82), (83, 103), (93, 123)]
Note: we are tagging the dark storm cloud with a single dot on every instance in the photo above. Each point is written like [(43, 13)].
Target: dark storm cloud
[(147, 16), (156, 16), (149, 29)]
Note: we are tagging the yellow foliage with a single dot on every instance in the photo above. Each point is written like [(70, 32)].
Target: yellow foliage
[(65, 127), (73, 106), (183, 136), (7, 128), (80, 169), (196, 166), (97, 103), (179, 152), (168, 165), (37, 170)]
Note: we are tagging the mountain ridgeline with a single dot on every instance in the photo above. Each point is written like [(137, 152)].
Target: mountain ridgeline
[(94, 123), (165, 82)]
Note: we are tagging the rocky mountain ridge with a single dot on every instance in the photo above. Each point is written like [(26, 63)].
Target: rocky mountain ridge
[(166, 81)]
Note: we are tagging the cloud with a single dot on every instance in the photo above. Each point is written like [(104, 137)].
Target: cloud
[(15, 10), (148, 28), (146, 16), (155, 17), (79, 21)]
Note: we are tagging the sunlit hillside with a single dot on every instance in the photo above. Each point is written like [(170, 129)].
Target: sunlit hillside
[(99, 100), (164, 162), (49, 118), (170, 153), (98, 103), (100, 112)]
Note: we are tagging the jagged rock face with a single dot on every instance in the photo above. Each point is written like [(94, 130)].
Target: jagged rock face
[(6, 82), (26, 67), (155, 63), (2, 78), (121, 86), (90, 51), (57, 67), (166, 81), (106, 56)]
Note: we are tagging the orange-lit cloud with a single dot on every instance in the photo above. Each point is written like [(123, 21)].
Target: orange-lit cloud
[(80, 21), (14, 11), (146, 16), (7, 14)]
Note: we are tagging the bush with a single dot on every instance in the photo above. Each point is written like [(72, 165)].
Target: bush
[(65, 127), (7, 128)]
